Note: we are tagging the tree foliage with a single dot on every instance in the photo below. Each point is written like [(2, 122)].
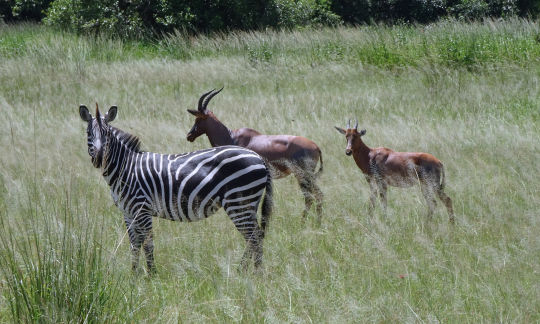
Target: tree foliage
[(150, 18), (144, 18), (30, 10)]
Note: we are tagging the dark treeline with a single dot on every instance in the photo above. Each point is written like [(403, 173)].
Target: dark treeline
[(147, 18)]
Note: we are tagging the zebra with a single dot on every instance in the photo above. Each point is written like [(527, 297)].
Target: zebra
[(179, 187)]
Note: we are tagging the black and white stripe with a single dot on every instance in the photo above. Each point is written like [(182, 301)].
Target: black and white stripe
[(179, 187)]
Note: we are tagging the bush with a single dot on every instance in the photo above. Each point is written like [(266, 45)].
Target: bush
[(528, 8), (469, 9), (104, 16), (30, 9), (408, 10), (23, 10), (424, 11), (142, 18), (305, 13), (5, 10)]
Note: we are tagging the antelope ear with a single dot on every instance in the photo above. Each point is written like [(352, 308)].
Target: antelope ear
[(111, 115), (84, 113), (195, 113), (341, 130), (362, 132)]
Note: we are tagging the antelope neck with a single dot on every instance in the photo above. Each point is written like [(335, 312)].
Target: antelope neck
[(219, 135), (361, 155)]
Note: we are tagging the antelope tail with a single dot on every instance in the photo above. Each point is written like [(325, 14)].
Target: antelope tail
[(267, 204), (441, 186), (321, 166)]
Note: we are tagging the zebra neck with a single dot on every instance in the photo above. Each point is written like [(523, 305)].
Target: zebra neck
[(120, 155)]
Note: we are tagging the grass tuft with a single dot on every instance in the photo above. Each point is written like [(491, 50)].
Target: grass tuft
[(54, 268)]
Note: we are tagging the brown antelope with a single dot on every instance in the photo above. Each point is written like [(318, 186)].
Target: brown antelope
[(286, 153), (384, 167)]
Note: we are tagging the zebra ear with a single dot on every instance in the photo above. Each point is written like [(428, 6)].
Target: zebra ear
[(84, 113), (341, 130), (111, 115)]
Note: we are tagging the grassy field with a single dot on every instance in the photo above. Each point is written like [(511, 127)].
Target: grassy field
[(467, 93)]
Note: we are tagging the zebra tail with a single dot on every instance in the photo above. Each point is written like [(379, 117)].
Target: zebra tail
[(320, 166), (267, 204)]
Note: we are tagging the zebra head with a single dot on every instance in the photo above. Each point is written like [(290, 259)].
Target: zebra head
[(97, 130)]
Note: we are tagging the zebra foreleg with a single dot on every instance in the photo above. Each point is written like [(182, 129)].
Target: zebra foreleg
[(148, 247), (135, 246), (139, 229)]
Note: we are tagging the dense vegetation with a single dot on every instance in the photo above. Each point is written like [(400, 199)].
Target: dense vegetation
[(142, 18), (468, 93)]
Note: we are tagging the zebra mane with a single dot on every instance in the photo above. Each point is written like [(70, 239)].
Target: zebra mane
[(131, 142)]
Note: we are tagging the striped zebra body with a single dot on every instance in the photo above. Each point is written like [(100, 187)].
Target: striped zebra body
[(180, 187), (175, 188)]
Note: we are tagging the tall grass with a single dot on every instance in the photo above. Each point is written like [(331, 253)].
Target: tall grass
[(53, 264), (447, 43), (468, 94)]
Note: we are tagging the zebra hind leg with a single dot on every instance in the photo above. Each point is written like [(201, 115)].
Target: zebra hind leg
[(254, 249), (246, 223)]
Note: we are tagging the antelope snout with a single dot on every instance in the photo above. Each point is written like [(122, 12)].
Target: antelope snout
[(190, 137), (348, 152)]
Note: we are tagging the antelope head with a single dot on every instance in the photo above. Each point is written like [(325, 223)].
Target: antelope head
[(97, 130), (351, 135), (203, 116)]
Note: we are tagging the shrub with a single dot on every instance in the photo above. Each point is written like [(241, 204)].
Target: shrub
[(352, 11), (120, 18), (476, 9), (5, 10), (469, 9), (30, 9), (142, 18), (305, 13), (23, 10), (529, 8)]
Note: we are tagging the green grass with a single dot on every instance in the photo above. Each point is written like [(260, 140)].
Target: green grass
[(447, 43), (467, 93)]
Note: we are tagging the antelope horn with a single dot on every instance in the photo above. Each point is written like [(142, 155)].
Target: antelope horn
[(200, 106), (356, 124), (98, 115), (210, 96), (348, 124)]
